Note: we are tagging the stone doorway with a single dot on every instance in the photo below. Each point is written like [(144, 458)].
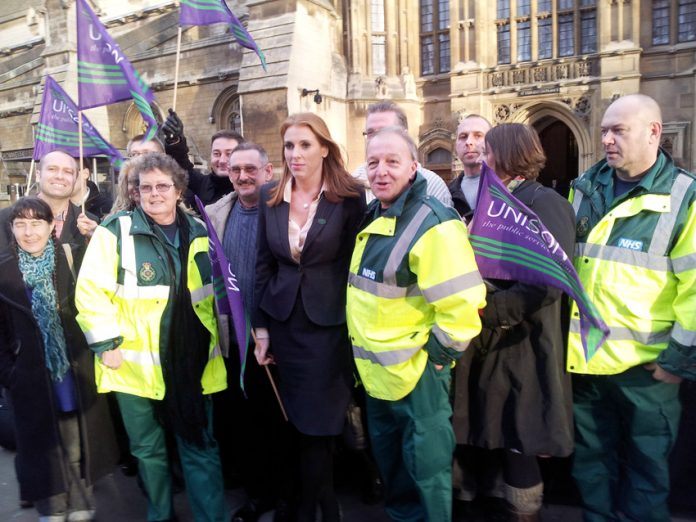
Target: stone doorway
[(561, 149)]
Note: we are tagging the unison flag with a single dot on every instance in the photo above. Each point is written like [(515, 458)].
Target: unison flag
[(227, 293), (58, 128), (104, 74), (511, 243), (206, 12)]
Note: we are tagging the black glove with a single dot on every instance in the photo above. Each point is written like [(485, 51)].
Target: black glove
[(173, 128)]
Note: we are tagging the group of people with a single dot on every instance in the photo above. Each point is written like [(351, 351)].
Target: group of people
[(336, 288)]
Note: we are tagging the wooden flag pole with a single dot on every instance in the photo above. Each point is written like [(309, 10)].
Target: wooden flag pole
[(273, 385), (79, 167), (30, 177), (176, 67)]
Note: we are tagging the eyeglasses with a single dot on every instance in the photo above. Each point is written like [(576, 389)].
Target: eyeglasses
[(161, 188), (247, 169)]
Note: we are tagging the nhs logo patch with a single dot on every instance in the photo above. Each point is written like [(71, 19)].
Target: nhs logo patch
[(631, 244), (370, 274)]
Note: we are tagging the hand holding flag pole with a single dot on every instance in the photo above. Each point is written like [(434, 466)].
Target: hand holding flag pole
[(273, 385)]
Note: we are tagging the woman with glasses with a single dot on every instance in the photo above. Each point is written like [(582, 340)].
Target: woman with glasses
[(145, 303), (63, 429)]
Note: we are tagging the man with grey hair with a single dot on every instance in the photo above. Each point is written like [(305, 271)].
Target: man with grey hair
[(257, 423), (386, 114), (413, 297), (636, 245)]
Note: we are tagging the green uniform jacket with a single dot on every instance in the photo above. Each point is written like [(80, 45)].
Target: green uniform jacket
[(122, 292), (413, 292), (636, 257)]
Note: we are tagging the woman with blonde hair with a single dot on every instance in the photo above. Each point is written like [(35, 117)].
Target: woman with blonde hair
[(307, 227)]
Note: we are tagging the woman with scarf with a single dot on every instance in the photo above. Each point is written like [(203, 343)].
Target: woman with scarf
[(146, 305), (63, 429)]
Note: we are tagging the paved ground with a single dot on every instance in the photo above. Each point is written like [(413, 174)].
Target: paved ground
[(120, 500)]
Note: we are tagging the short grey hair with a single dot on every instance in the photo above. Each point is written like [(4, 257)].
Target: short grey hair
[(248, 145), (389, 106), (401, 133)]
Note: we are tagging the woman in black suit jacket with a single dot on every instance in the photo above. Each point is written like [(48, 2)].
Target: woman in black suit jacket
[(307, 228)]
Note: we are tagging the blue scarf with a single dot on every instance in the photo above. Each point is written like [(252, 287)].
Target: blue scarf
[(38, 276)]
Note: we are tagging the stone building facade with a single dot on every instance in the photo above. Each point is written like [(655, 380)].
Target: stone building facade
[(555, 64)]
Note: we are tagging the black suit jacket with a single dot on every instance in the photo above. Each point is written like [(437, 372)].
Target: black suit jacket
[(322, 273)]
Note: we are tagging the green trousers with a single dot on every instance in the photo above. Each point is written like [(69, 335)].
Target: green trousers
[(625, 428), (201, 466), (413, 443)]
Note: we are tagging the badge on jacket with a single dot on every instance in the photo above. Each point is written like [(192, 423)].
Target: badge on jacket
[(583, 226), (147, 273)]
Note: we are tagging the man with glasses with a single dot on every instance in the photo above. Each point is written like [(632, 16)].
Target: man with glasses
[(389, 114), (256, 420)]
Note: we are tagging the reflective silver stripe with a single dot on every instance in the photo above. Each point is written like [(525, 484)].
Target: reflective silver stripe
[(141, 358), (624, 255), (201, 293), (401, 247), (446, 340), (683, 336), (577, 199), (665, 224), (381, 289), (453, 286), (130, 278), (621, 333), (216, 352), (142, 292), (102, 334), (385, 358), (684, 263)]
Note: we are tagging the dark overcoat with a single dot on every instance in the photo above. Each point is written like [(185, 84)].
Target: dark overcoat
[(40, 470), (511, 387)]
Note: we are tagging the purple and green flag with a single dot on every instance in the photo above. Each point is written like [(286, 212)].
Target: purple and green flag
[(104, 74), (58, 128), (206, 12), (511, 243), (227, 293)]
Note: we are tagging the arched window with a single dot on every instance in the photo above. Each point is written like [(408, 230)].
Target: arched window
[(439, 156)]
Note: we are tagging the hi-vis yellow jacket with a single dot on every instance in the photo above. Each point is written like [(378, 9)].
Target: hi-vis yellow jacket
[(413, 292), (122, 291), (636, 257)]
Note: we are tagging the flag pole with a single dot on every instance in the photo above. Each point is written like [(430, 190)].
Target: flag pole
[(273, 385), (176, 67), (31, 175), (83, 182)]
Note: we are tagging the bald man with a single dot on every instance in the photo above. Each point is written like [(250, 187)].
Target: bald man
[(56, 177), (636, 256)]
